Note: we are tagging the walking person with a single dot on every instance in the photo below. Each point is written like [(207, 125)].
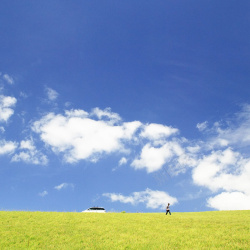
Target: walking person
[(168, 209)]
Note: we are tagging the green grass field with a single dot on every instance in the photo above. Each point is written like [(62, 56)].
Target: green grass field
[(56, 230)]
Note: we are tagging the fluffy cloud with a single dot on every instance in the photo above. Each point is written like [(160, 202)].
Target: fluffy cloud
[(106, 113), (227, 171), (163, 147), (202, 126), (233, 132), (87, 136), (219, 163), (230, 201), (6, 107), (7, 147), (123, 161), (51, 94), (154, 158), (238, 133), (151, 198), (29, 154), (213, 171), (157, 131), (215, 163), (83, 137), (223, 164)]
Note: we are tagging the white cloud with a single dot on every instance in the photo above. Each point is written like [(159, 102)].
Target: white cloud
[(28, 144), (235, 132), (64, 186), (227, 171), (212, 167), (151, 198), (106, 113), (122, 161), (43, 194), (8, 79), (230, 201), (31, 157), (220, 163), (202, 126), (29, 154), (87, 136), (83, 137), (51, 94), (6, 105), (224, 164), (7, 147), (155, 131), (154, 158), (76, 113)]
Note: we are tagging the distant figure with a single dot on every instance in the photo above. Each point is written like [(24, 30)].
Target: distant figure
[(168, 209)]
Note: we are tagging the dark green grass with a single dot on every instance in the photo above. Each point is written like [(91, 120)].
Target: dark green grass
[(52, 230)]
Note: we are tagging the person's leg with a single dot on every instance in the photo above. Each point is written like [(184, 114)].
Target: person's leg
[(169, 212)]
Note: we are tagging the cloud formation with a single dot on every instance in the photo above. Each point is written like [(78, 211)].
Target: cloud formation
[(7, 147), (230, 201), (6, 107), (51, 94), (83, 137), (5, 78), (220, 162), (64, 186), (153, 199), (29, 154), (227, 171), (153, 158), (123, 161), (237, 133), (202, 126), (157, 132), (8, 79), (88, 136), (224, 166)]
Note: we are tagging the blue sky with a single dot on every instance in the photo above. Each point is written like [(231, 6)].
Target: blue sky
[(127, 105)]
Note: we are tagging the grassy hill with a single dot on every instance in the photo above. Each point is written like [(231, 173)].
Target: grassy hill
[(54, 230)]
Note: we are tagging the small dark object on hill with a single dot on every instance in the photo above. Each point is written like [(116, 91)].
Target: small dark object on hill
[(168, 209)]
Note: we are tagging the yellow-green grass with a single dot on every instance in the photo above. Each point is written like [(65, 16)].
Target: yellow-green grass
[(56, 230)]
